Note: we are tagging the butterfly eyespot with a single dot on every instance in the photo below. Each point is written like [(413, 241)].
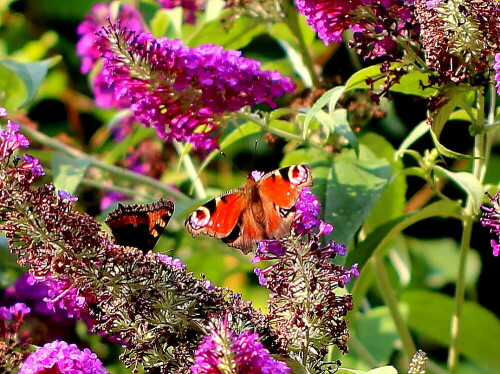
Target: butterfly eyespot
[(298, 174), (199, 218)]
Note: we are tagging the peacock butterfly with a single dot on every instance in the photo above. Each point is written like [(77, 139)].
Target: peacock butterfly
[(140, 225), (263, 208)]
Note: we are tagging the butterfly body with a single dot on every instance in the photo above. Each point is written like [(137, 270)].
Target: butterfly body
[(262, 209), (140, 225)]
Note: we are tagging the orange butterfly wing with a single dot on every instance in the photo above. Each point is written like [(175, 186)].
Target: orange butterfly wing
[(282, 188), (218, 217)]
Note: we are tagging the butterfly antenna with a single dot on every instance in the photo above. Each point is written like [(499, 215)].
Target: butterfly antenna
[(223, 154), (254, 155)]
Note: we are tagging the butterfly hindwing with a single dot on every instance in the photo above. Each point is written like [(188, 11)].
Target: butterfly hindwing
[(140, 225)]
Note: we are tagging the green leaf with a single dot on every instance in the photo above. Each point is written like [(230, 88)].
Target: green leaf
[(376, 240), (380, 370), (343, 128), (239, 133), (430, 315), (239, 35), (12, 90), (454, 96), (410, 84), (165, 19), (467, 182), (448, 152), (31, 74), (358, 79), (420, 130), (376, 331), (393, 199), (329, 96), (68, 171), (441, 260), (353, 186)]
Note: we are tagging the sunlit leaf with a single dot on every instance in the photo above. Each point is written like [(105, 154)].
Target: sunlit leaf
[(68, 171), (430, 315)]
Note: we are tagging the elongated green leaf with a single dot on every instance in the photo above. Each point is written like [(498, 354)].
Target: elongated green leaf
[(467, 182), (239, 35), (376, 331), (358, 79), (343, 129), (320, 103), (448, 152), (393, 199), (420, 130), (380, 370), (239, 133), (165, 19), (353, 186), (12, 90), (376, 240), (430, 315), (68, 171), (409, 83), (31, 74)]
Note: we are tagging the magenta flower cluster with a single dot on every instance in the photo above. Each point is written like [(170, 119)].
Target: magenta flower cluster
[(496, 67), (376, 23), (224, 351), (183, 92), (491, 218), (11, 140), (87, 48), (62, 358)]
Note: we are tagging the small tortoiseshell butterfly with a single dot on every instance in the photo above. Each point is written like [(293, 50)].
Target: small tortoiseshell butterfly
[(140, 225), (263, 208)]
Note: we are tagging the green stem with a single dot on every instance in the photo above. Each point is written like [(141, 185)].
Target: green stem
[(95, 162), (391, 301), (278, 132), (292, 22), (191, 170), (478, 170)]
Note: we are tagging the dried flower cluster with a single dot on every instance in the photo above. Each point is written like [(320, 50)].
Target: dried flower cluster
[(459, 39), (305, 303)]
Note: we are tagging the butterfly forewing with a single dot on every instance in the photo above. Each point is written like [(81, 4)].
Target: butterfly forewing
[(140, 225)]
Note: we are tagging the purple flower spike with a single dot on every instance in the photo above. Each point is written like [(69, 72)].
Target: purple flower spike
[(496, 67), (183, 92), (224, 351), (491, 218), (175, 262), (62, 358)]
